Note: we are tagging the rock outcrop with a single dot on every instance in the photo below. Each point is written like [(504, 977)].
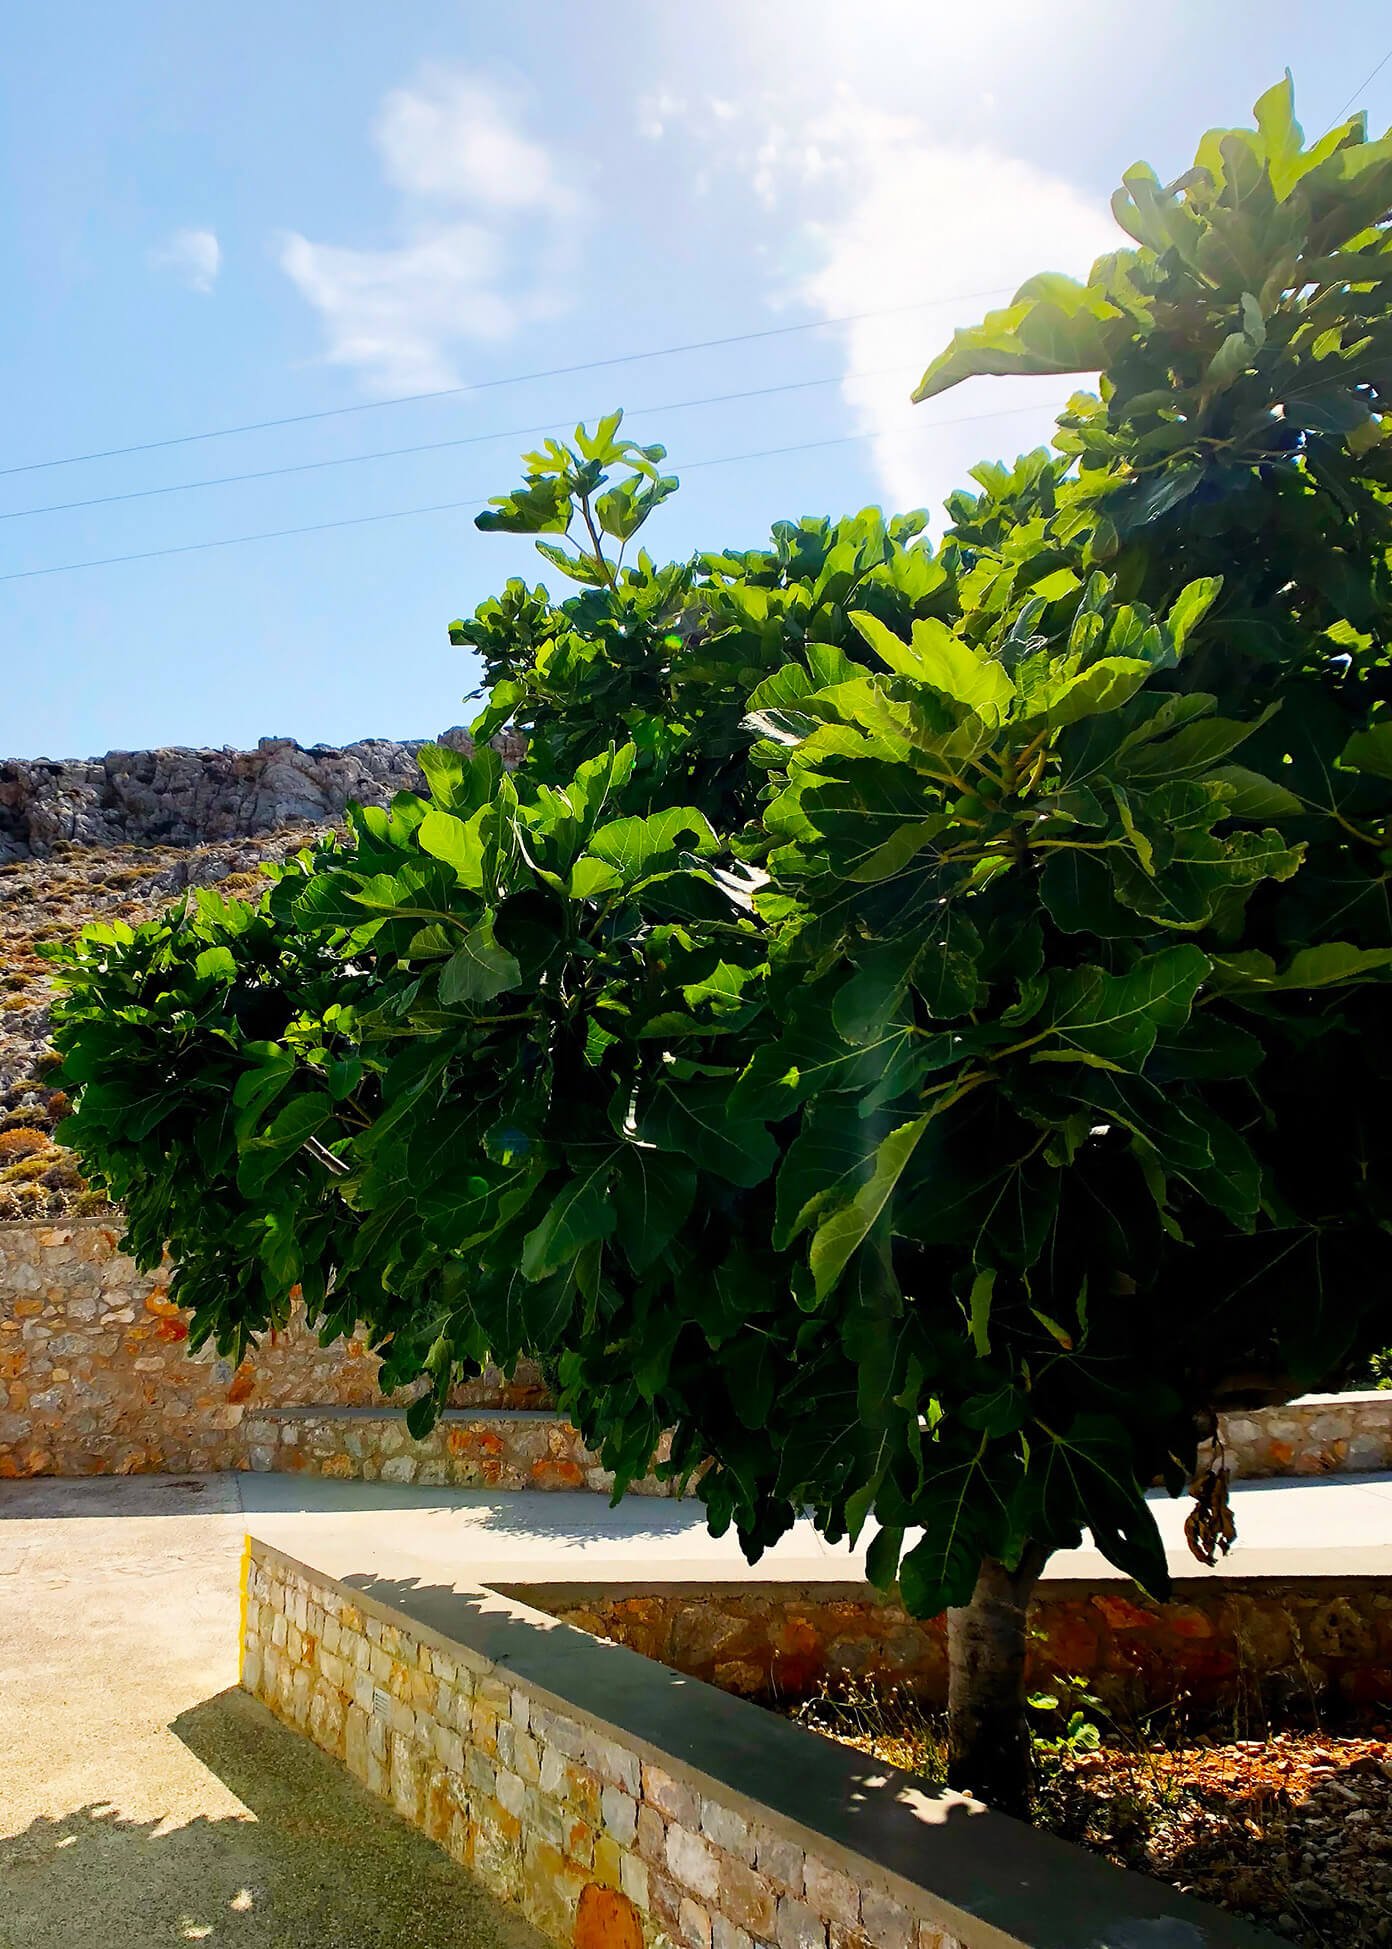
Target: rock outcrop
[(180, 797), (119, 838)]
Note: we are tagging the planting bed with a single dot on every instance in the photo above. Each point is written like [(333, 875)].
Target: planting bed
[(1292, 1831)]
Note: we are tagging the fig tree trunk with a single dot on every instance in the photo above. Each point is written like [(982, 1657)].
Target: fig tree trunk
[(988, 1739)]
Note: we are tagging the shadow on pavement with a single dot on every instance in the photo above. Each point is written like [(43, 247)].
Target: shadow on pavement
[(90, 1877), (316, 1863), (49, 1498), (578, 1515)]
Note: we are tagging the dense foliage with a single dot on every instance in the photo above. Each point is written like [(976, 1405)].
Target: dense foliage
[(915, 1023)]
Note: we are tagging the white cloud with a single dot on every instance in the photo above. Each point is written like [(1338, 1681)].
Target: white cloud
[(877, 210), (663, 110), (450, 138), (392, 313), (897, 164), (785, 159), (657, 111), (483, 245), (195, 256), (913, 217)]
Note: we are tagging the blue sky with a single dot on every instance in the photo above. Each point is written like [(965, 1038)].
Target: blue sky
[(222, 215)]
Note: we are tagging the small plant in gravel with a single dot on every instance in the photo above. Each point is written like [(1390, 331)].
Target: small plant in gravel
[(1292, 1829), (1067, 1726), (886, 1720)]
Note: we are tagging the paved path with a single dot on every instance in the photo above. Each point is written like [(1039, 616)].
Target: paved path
[(1334, 1526), (1326, 1527), (143, 1801)]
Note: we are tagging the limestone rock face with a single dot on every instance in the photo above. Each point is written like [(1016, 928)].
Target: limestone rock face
[(175, 796), (117, 839)]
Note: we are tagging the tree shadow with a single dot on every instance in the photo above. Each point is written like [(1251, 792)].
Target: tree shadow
[(565, 1516), (1266, 1485), (314, 1863), (50, 1498), (568, 1515), (90, 1877), (587, 1516)]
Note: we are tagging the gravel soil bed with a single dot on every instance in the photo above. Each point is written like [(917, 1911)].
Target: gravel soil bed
[(1292, 1831)]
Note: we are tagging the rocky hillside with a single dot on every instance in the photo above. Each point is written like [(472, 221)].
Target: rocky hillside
[(179, 797), (120, 837), (50, 900)]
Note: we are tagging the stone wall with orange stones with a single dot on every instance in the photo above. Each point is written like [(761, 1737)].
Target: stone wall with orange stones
[(600, 1846), (1261, 1646), (96, 1376), (620, 1807), (1320, 1434), (468, 1448)]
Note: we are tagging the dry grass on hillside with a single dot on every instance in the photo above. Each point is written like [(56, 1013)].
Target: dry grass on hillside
[(51, 900)]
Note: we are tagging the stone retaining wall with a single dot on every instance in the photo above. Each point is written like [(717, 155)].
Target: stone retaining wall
[(469, 1448), (1256, 1646), (96, 1376), (1320, 1434), (620, 1807), (547, 1811)]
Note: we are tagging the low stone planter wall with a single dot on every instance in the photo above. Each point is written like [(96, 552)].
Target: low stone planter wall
[(1256, 1644), (469, 1448), (619, 1805)]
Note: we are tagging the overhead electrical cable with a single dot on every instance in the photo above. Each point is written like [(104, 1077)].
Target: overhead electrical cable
[(513, 379), (1367, 80), (438, 446), (441, 507)]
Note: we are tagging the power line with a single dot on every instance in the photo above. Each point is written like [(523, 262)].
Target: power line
[(234, 541), (442, 507), (516, 379), (1367, 80), (437, 446)]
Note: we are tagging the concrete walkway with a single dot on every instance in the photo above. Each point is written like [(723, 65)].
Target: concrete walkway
[(1333, 1526), (143, 1801), (1318, 1526), (1338, 1525)]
